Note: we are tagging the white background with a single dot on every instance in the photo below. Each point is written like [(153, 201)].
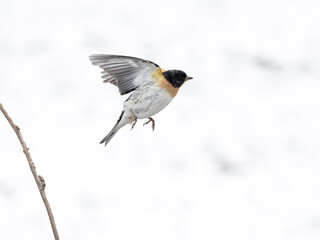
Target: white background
[(234, 156)]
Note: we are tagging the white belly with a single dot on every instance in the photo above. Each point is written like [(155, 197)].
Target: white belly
[(147, 101)]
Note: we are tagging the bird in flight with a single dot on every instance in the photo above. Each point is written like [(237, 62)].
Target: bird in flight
[(151, 88)]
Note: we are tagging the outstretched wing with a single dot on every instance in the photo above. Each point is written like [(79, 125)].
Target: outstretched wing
[(128, 73)]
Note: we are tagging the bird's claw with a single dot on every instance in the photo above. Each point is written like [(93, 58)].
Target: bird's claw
[(133, 123), (153, 123)]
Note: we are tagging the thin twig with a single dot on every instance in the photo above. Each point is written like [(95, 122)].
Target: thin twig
[(39, 179)]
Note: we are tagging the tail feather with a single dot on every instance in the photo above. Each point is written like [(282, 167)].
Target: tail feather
[(114, 130), (107, 139)]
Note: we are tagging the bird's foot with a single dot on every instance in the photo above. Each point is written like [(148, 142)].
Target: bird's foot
[(133, 123), (153, 123)]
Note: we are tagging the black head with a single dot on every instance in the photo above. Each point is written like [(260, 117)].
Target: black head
[(176, 77)]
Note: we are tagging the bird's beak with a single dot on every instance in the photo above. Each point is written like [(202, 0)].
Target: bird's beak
[(188, 78)]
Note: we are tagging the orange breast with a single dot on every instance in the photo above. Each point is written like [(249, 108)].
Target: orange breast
[(162, 82)]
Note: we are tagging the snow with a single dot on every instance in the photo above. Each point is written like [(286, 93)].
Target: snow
[(234, 156)]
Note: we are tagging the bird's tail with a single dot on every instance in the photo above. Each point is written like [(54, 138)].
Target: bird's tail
[(110, 135), (113, 131)]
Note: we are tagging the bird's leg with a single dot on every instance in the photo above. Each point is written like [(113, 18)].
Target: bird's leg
[(150, 120), (133, 123)]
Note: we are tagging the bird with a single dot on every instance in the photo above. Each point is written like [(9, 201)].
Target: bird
[(151, 87)]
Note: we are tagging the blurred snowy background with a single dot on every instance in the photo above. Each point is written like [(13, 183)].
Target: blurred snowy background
[(234, 156)]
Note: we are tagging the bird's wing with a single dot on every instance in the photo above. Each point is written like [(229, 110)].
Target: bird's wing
[(125, 72)]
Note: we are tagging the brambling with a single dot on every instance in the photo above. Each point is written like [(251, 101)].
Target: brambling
[(152, 88)]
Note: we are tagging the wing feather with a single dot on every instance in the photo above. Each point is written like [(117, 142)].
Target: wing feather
[(123, 71)]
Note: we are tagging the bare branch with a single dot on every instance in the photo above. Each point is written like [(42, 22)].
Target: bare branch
[(39, 179)]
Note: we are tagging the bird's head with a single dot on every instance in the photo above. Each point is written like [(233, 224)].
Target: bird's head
[(176, 77)]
